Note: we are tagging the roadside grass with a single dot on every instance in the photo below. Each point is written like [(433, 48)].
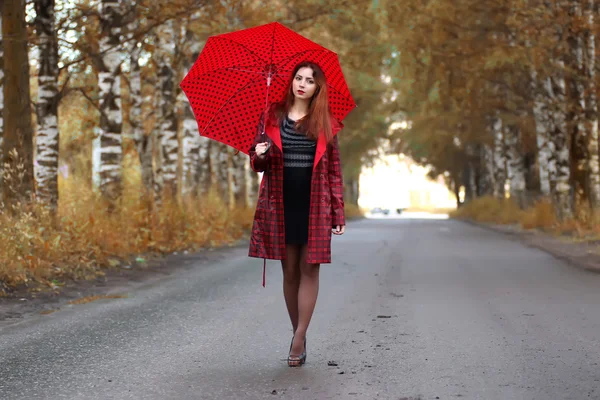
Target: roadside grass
[(40, 250), (541, 216)]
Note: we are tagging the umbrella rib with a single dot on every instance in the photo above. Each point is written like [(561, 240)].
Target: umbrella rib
[(273, 44), (229, 101), (241, 45), (340, 93), (282, 63)]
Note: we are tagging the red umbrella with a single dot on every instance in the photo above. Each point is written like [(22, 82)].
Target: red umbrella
[(239, 74)]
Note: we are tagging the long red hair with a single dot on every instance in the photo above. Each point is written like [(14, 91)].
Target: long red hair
[(318, 118)]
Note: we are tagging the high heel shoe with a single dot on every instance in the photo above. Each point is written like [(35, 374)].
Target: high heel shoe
[(296, 361)]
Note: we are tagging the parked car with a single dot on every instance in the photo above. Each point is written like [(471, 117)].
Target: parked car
[(379, 210)]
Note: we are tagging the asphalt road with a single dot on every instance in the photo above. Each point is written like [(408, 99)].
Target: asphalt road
[(410, 309)]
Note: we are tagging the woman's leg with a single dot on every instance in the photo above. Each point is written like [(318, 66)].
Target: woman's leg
[(307, 299), (291, 281)]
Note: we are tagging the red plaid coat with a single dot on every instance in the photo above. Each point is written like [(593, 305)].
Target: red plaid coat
[(326, 201)]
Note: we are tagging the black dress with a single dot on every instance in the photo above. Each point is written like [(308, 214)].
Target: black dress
[(298, 159)]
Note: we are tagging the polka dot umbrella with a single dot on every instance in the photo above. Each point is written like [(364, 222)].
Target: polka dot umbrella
[(239, 74)]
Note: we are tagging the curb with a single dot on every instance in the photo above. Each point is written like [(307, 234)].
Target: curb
[(580, 255)]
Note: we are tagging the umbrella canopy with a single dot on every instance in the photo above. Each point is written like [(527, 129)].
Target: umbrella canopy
[(239, 74)]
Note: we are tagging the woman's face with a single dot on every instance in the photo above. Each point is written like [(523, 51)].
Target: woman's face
[(304, 86)]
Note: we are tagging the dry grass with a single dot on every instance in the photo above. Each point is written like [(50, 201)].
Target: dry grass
[(490, 210), (37, 248), (541, 216)]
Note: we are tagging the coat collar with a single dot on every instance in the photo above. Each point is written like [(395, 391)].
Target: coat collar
[(273, 132)]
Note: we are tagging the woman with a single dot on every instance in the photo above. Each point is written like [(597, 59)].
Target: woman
[(300, 202)]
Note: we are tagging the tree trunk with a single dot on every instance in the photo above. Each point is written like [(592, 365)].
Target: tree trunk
[(166, 117), (239, 179), (485, 181), (111, 117), (47, 140), (543, 128), (1, 99), (252, 185), (560, 171), (575, 112), (143, 142), (204, 167), (18, 133), (516, 164), (591, 108), (224, 173), (499, 156), (191, 141)]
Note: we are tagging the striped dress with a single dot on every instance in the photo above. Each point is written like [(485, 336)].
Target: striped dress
[(298, 159)]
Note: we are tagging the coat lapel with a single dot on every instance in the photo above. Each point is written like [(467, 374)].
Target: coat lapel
[(321, 147), (274, 134), (322, 144)]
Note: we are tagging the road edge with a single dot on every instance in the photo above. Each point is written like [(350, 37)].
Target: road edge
[(579, 255)]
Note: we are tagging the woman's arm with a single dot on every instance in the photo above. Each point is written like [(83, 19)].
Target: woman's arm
[(336, 185), (258, 163)]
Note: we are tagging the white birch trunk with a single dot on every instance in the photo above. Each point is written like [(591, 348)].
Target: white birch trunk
[(542, 126), (486, 178), (252, 184), (224, 172), (111, 118), (591, 108), (143, 142), (166, 117), (191, 140), (46, 161), (1, 102), (239, 179), (230, 178), (499, 157), (214, 162), (203, 167), (562, 185), (516, 164)]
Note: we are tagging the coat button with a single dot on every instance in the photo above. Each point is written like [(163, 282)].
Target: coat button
[(322, 176)]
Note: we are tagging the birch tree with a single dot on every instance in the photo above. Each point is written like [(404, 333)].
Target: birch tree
[(499, 159), (143, 142), (110, 138), (18, 133), (191, 139), (591, 108), (47, 140), (167, 140), (1, 97)]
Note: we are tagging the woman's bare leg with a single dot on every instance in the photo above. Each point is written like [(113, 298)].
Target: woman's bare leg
[(307, 299), (291, 282)]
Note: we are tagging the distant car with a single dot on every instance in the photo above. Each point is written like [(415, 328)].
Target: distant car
[(399, 210), (379, 210)]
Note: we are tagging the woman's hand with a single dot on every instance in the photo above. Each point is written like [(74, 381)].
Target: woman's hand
[(261, 149), (339, 230)]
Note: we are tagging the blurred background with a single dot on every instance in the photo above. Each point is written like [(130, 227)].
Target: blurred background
[(486, 109)]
